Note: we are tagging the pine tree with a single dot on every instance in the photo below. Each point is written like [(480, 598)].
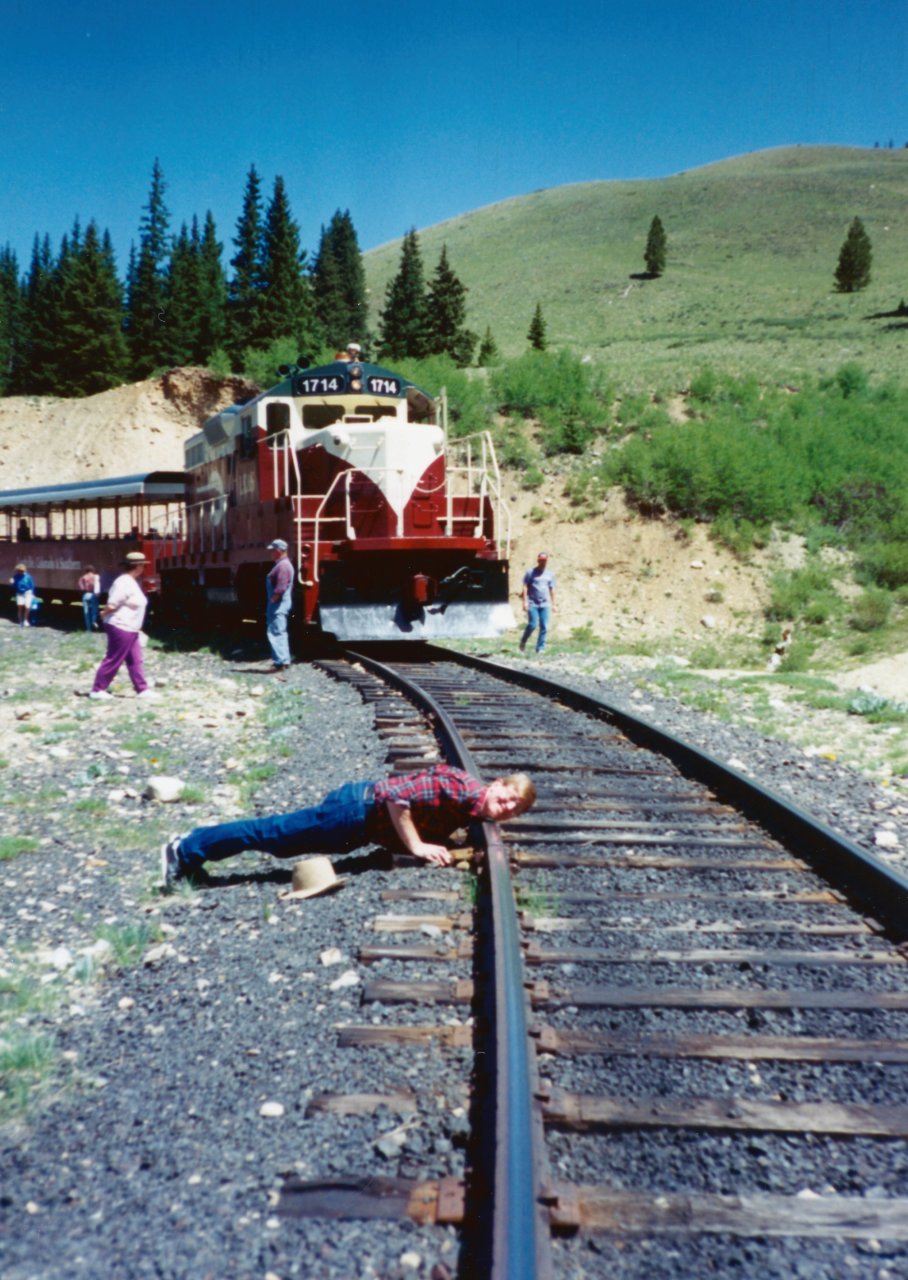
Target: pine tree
[(146, 308), (488, 351), (327, 288), (339, 282), (855, 258), (92, 352), (244, 289), (10, 319), (34, 371), (404, 320), (288, 307), (184, 291), (536, 334), (213, 293), (446, 308), (654, 255)]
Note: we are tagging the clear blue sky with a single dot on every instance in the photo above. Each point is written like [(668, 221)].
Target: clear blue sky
[(412, 111)]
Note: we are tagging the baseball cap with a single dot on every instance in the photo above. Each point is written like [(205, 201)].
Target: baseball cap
[(277, 545)]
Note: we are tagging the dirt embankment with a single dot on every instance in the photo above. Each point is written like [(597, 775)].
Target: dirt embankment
[(140, 427)]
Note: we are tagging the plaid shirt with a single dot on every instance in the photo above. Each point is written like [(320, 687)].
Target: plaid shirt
[(440, 800)]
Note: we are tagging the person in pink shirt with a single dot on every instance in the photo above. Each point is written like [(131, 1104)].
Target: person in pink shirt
[(123, 616)]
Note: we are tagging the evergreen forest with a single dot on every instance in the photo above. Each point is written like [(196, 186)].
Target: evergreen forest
[(69, 326)]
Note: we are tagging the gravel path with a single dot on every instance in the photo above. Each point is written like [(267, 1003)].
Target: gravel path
[(146, 1150), (159, 1030)]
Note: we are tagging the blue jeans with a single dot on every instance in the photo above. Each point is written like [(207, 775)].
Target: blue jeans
[(537, 616), (336, 824), (91, 610), (277, 616)]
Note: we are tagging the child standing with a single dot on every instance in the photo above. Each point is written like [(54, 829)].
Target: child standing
[(24, 587)]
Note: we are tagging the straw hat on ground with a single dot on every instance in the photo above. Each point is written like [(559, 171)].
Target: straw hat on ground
[(312, 876)]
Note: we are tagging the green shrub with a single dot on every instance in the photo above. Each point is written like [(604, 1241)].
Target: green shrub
[(830, 461), (870, 611), (707, 656), (887, 563), (583, 636), (631, 410), (803, 593), (553, 381), (513, 447), (703, 386), (851, 379)]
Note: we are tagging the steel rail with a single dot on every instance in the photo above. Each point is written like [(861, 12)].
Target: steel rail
[(519, 1245), (867, 879)]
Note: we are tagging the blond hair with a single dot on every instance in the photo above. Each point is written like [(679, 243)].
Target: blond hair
[(525, 788)]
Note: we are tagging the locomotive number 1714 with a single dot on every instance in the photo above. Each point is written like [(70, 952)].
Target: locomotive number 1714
[(319, 386)]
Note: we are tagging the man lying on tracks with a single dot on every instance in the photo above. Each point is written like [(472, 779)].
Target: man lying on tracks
[(413, 812)]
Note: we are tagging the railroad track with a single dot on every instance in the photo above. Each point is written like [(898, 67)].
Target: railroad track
[(686, 1006)]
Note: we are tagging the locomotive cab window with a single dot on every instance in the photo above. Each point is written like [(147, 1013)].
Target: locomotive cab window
[(277, 422), (318, 416)]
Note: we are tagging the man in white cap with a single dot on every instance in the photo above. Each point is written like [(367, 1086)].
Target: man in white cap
[(280, 599)]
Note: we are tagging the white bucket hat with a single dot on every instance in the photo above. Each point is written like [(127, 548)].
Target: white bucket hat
[(312, 876)]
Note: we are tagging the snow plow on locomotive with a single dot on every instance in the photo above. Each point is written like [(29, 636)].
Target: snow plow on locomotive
[(394, 530)]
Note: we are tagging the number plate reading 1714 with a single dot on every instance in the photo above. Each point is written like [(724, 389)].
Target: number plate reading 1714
[(383, 386), (319, 386)]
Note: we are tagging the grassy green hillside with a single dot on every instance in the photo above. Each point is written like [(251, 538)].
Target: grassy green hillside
[(752, 246)]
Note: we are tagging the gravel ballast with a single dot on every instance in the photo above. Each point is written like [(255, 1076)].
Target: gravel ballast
[(145, 1149)]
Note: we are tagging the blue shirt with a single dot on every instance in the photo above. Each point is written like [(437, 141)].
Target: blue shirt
[(540, 584), (22, 582)]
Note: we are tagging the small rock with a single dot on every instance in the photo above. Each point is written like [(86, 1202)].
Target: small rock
[(60, 958), (886, 839), (163, 789), (349, 978), (271, 1110), (164, 951), (331, 956), (708, 621)]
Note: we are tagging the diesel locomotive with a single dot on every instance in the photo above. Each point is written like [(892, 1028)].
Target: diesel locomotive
[(395, 529)]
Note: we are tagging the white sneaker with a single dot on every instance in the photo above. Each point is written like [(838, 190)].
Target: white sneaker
[(148, 694), (100, 693)]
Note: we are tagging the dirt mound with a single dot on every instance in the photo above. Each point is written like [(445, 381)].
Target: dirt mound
[(629, 578), (139, 427)]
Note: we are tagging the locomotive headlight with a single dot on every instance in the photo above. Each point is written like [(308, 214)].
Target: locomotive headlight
[(356, 384)]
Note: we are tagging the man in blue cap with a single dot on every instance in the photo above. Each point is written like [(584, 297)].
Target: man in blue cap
[(280, 600)]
